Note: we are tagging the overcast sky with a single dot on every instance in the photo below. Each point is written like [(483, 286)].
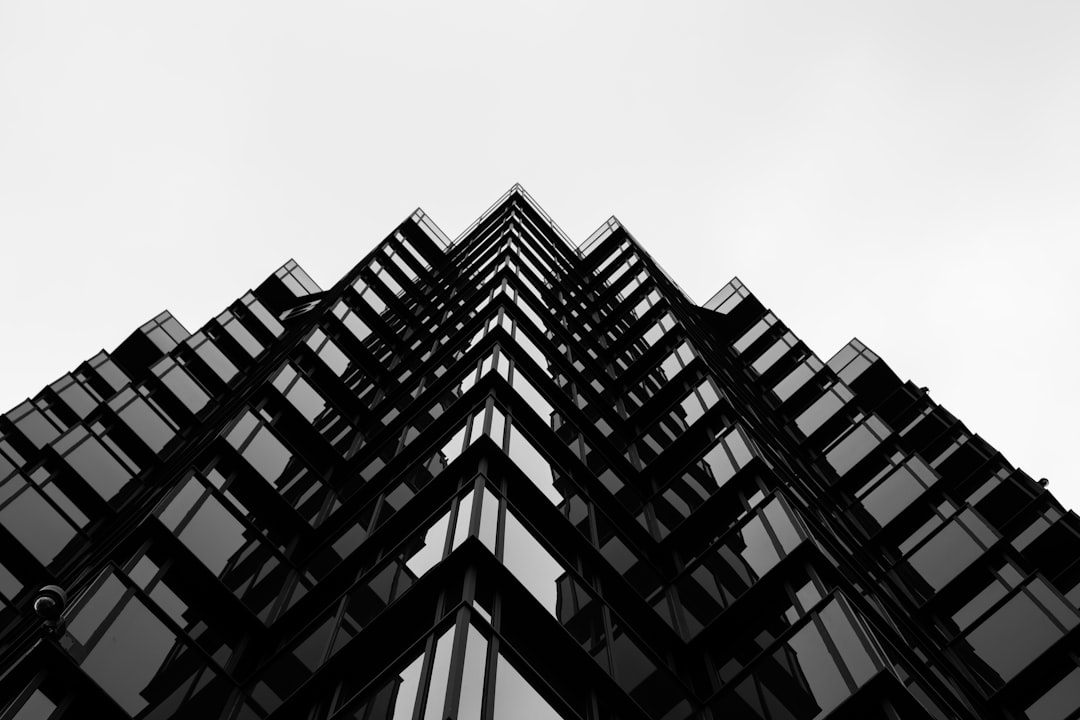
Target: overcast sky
[(906, 172)]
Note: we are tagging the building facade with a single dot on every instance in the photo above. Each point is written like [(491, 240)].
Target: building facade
[(510, 477)]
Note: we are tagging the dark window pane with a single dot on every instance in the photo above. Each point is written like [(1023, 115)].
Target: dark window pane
[(945, 555), (893, 495), (632, 666), (36, 525), (35, 427), (267, 455), (90, 615), (807, 661), (848, 642), (214, 535), (1014, 635), (852, 449), (127, 658), (78, 399), (184, 500), (185, 389), (9, 584), (217, 361), (533, 464), (104, 473), (147, 424), (756, 548), (975, 607), (816, 415), (36, 707), (1059, 701)]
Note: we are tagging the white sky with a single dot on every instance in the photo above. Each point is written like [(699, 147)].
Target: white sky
[(904, 172)]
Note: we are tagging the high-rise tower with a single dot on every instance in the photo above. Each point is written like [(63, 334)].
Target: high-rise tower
[(508, 477)]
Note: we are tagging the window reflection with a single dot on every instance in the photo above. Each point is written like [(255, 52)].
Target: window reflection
[(531, 564), (471, 701), (857, 444), (532, 463), (138, 659), (1012, 636), (516, 698), (93, 463), (802, 679), (730, 568), (951, 550), (1059, 701), (33, 522), (798, 377)]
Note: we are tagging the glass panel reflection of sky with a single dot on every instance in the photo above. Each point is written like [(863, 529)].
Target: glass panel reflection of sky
[(516, 698), (533, 464), (472, 676), (431, 551), (531, 564)]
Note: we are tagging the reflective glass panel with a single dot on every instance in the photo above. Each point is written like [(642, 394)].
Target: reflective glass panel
[(1014, 635), (516, 698), (531, 564)]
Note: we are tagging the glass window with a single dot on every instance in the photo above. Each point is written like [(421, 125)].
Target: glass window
[(177, 380), (36, 524), (852, 448), (531, 564), (823, 408), (1014, 635), (147, 424), (892, 496), (37, 429), (532, 463), (728, 297), (805, 681), (76, 398), (263, 315), (108, 371), (516, 698), (427, 549), (214, 535), (267, 455), (239, 333), (974, 608), (300, 394), (776, 351), (945, 555), (90, 616), (848, 642), (36, 707), (139, 659), (328, 351), (9, 584), (472, 675), (533, 397), (1059, 701), (440, 671), (213, 357), (754, 333), (797, 378)]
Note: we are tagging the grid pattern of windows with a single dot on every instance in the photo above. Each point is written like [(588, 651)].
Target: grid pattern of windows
[(503, 476)]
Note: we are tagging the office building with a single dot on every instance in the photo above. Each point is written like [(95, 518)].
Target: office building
[(508, 476)]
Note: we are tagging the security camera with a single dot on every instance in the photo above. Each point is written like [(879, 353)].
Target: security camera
[(49, 604)]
